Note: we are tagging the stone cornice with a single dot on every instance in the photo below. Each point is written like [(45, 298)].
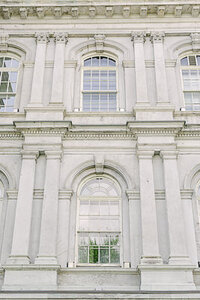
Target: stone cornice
[(98, 136), (163, 128), (102, 8)]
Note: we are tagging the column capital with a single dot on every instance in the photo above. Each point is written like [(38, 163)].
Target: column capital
[(133, 195), (169, 154), (157, 37), (42, 37), (29, 154), (145, 154), (53, 154), (138, 36), (61, 37)]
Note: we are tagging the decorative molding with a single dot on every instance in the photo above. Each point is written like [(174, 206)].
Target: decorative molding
[(160, 195), (187, 194), (98, 136), (38, 194), (43, 9), (11, 136), (65, 195), (133, 195)]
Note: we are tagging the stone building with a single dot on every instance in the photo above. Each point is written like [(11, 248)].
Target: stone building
[(100, 149)]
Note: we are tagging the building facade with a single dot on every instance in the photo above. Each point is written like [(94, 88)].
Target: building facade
[(100, 149)]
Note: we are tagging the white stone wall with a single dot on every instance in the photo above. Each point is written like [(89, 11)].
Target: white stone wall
[(149, 145)]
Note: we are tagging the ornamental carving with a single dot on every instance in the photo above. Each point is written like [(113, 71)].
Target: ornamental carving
[(138, 37), (23, 12), (99, 42), (157, 37), (42, 37), (61, 37)]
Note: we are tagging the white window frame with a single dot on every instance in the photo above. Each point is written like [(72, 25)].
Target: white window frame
[(78, 231), (10, 69), (189, 67), (116, 68)]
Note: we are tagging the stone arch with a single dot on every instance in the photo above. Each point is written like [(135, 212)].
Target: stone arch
[(192, 177), (8, 179), (19, 49), (88, 168), (179, 48), (89, 46)]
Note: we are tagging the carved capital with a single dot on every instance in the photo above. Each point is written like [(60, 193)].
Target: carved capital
[(138, 37), (61, 37), (99, 42), (157, 37), (42, 37), (195, 37)]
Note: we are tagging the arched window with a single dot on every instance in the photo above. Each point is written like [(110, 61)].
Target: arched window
[(99, 90), (99, 222), (9, 68), (190, 67)]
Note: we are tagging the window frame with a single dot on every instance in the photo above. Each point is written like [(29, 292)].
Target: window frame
[(18, 70), (188, 67), (120, 232), (116, 68)]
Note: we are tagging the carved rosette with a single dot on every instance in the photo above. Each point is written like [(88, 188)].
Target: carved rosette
[(61, 37), (157, 37), (42, 37), (138, 37)]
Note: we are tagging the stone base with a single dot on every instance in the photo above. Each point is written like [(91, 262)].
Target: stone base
[(52, 112), (30, 278), (18, 260), (166, 278), (46, 260), (153, 113)]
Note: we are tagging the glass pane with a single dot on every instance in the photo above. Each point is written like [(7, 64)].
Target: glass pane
[(192, 60), (104, 255), (1, 62), (15, 63), (83, 254), (184, 61), (84, 208), (104, 61), (13, 76), (112, 62), (5, 76), (7, 62), (114, 255), (93, 254), (3, 87), (94, 208), (95, 61), (87, 62), (198, 60)]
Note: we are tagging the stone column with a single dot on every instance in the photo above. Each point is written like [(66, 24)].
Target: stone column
[(63, 226), (48, 235), (39, 68), (58, 70), (150, 247), (177, 235), (135, 227), (160, 71), (22, 225), (140, 71)]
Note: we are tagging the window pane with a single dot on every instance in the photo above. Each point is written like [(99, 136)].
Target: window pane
[(7, 62), (95, 61), (184, 61), (114, 255), (93, 254), (198, 60), (192, 60), (87, 62), (1, 62), (83, 254), (104, 255), (15, 63), (104, 61), (112, 62)]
